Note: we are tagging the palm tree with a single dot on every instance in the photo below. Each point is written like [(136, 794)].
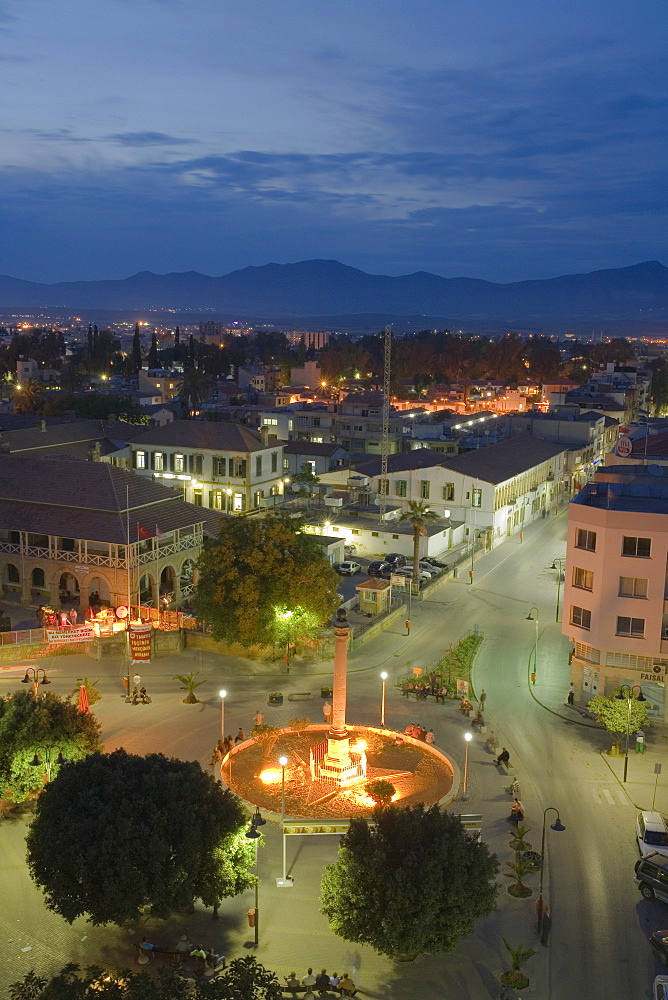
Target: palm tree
[(195, 389), (28, 397), (518, 956), (418, 514), (188, 683)]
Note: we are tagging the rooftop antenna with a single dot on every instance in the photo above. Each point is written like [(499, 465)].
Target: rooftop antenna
[(385, 442)]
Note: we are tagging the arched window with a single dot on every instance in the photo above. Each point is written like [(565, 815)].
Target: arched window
[(12, 574), (38, 577)]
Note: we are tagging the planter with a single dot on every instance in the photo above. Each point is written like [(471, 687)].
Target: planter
[(520, 891), (532, 857), (276, 698), (326, 692), (517, 980)]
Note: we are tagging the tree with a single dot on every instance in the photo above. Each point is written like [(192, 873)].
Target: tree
[(244, 979), (188, 683), (195, 388), (115, 832), (306, 479), (136, 349), (518, 956), (418, 514), (32, 727), (28, 397), (380, 791), (369, 894), (619, 715), (256, 570)]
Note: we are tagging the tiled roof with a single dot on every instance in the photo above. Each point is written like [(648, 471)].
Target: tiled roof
[(66, 434), (87, 500), (419, 458), (498, 462), (205, 434), (309, 448)]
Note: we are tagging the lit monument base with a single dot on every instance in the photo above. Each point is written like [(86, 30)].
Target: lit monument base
[(285, 883), (336, 763)]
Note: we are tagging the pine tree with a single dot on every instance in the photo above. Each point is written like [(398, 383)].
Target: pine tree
[(153, 353), (136, 350)]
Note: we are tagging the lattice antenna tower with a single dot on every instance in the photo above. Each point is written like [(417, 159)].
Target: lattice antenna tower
[(385, 442)]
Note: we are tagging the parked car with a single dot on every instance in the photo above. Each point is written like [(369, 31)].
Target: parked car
[(660, 991), (407, 571), (349, 568), (395, 560), (377, 568), (424, 572), (435, 562), (350, 550), (652, 876), (651, 833), (659, 941)]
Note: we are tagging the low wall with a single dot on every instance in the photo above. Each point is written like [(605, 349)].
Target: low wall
[(377, 627)]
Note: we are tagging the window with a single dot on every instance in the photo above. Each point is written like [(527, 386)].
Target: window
[(580, 617), (12, 574), (477, 498), (286, 463), (400, 487), (424, 489), (374, 534), (196, 464), (140, 460), (631, 626), (158, 461), (216, 499), (583, 578), (585, 539), (632, 586), (636, 546), (258, 465), (38, 578), (238, 501), (179, 463), (271, 421), (449, 491), (198, 497), (238, 467), (274, 461), (219, 466)]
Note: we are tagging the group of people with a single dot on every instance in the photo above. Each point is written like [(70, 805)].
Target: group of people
[(420, 733), (422, 689), (322, 983), (183, 949)]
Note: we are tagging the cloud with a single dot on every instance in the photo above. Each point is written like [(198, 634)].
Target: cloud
[(148, 139)]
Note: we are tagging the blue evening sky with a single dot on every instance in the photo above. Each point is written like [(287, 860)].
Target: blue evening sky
[(502, 140)]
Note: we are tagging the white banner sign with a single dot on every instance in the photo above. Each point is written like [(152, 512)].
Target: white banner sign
[(62, 635)]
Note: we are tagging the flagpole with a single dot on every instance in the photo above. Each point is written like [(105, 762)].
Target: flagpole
[(127, 561), (157, 577)]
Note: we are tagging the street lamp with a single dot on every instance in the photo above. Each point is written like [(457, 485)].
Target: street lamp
[(223, 695), (383, 678), (558, 564), (468, 737), (286, 882), (534, 618), (48, 763), (254, 834), (558, 827), (626, 691), (35, 679)]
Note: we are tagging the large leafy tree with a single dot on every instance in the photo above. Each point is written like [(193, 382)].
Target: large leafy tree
[(244, 979), (113, 833), (619, 715), (412, 885), (418, 515), (46, 727), (257, 572)]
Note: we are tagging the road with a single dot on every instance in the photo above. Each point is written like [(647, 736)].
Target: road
[(598, 946)]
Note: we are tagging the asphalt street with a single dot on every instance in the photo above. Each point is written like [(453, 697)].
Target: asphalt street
[(598, 946)]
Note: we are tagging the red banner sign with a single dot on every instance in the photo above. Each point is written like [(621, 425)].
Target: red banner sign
[(139, 637)]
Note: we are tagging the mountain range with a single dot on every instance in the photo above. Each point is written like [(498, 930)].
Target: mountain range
[(316, 289)]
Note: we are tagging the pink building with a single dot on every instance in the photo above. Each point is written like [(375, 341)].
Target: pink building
[(615, 607)]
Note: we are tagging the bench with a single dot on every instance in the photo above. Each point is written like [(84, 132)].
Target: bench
[(506, 766), (332, 991), (174, 956), (300, 696)]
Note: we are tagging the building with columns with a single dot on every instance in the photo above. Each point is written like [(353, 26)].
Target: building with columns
[(70, 528)]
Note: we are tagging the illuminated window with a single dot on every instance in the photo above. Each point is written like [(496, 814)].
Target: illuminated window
[(140, 460), (179, 463), (237, 501), (583, 578), (477, 498), (424, 489), (158, 461), (449, 491), (632, 586), (400, 487)]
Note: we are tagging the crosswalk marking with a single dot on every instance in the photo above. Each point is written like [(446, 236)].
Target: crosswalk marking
[(608, 796), (616, 797)]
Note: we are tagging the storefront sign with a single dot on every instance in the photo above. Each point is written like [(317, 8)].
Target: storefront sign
[(658, 675), (624, 446), (65, 635), (139, 637)]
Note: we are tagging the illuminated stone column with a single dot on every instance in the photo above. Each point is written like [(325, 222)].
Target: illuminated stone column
[(338, 765)]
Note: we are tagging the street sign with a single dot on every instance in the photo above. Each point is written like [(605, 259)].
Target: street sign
[(657, 769), (472, 823), (397, 580)]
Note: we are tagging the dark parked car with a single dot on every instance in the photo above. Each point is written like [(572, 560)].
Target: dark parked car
[(659, 941), (377, 568), (395, 560), (434, 562)]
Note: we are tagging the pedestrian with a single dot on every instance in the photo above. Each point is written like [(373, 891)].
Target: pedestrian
[(227, 744), (516, 812), (183, 948), (541, 906), (327, 712), (143, 694), (571, 693), (430, 738), (640, 741), (503, 758), (240, 737), (482, 699), (258, 718), (136, 681), (73, 615), (547, 926)]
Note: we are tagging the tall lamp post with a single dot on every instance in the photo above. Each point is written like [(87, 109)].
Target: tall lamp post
[(626, 692), (254, 834), (558, 827), (534, 618), (468, 737), (223, 696), (33, 677), (383, 678), (47, 762), (286, 882), (558, 564)]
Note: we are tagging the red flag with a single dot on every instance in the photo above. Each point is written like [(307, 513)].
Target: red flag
[(143, 532), (83, 700)]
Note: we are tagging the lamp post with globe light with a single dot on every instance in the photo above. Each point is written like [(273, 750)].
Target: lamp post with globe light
[(558, 827), (626, 693), (383, 678), (534, 618), (47, 762), (286, 882), (254, 834), (468, 737), (32, 676), (223, 696)]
